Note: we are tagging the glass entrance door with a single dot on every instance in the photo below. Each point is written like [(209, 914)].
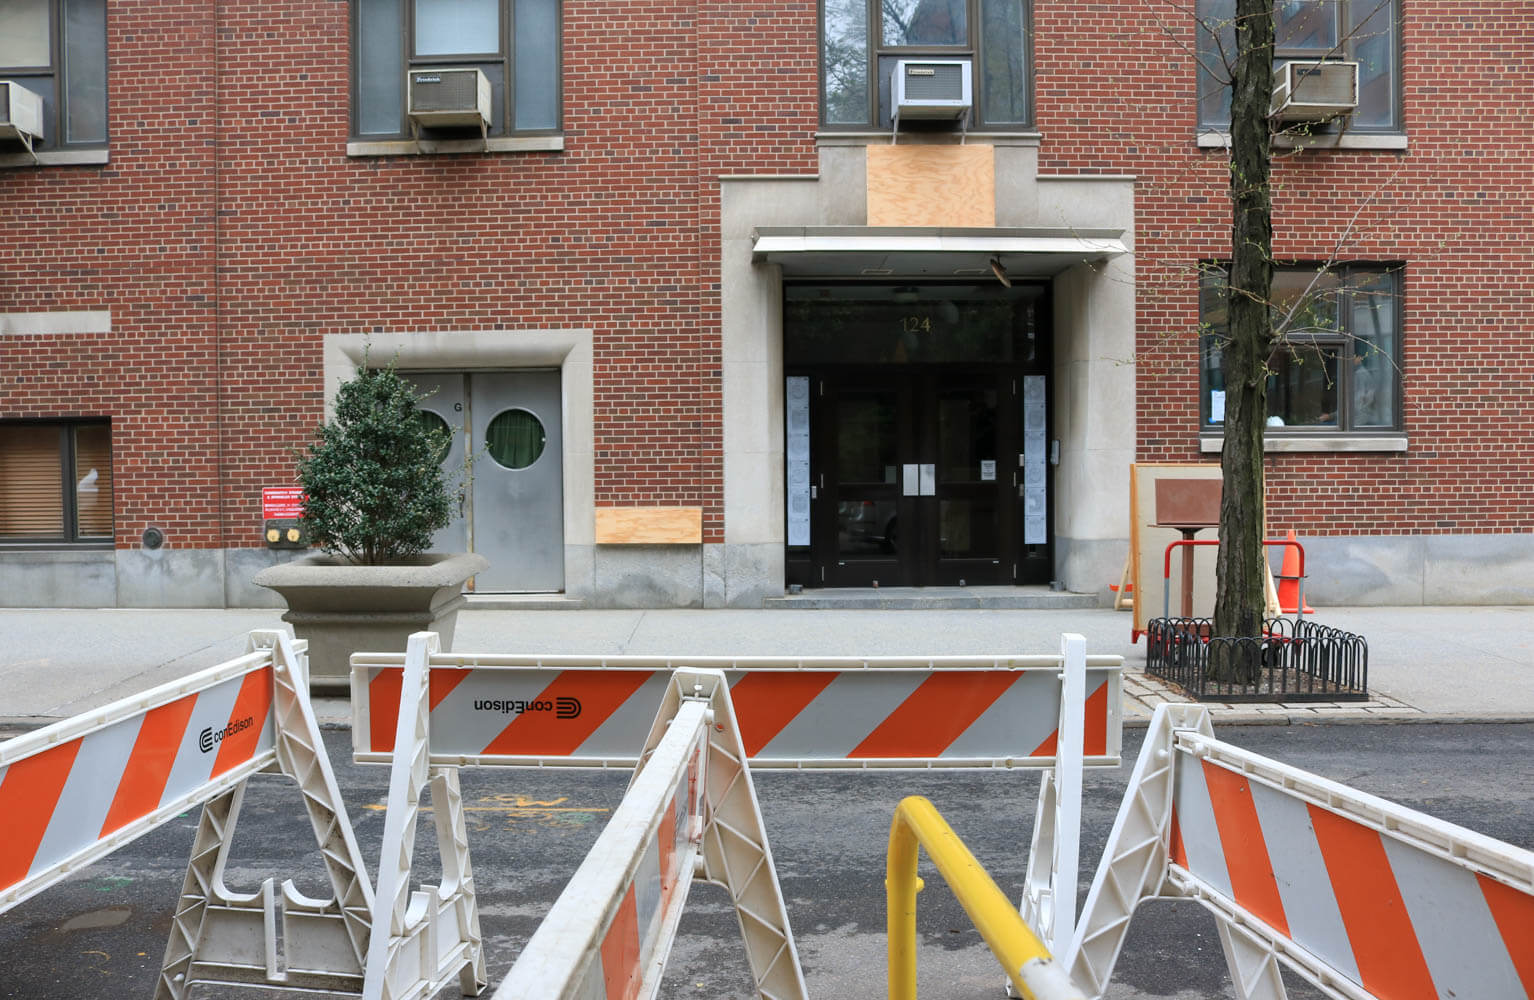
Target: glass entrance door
[(914, 473), (865, 442), (974, 513), (916, 434)]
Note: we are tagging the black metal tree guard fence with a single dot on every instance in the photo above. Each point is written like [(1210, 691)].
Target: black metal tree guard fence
[(1294, 660)]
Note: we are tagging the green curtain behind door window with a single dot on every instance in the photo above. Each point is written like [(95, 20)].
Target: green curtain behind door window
[(515, 439)]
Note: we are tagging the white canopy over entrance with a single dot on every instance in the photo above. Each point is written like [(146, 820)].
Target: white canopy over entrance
[(878, 252)]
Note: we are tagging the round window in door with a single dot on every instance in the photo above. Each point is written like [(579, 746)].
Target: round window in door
[(433, 424), (515, 439)]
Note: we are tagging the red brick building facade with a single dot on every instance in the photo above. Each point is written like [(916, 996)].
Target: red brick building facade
[(664, 249)]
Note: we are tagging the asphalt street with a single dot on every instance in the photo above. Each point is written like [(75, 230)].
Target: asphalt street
[(102, 933)]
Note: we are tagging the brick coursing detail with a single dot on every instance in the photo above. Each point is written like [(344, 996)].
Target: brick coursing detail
[(230, 232), (1454, 208)]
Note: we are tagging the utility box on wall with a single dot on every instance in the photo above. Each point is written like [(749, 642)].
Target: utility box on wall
[(282, 511), (286, 533)]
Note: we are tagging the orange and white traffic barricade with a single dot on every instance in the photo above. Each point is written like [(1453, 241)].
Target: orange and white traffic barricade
[(690, 808), (796, 712), (73, 792), (1362, 897), (1056, 713)]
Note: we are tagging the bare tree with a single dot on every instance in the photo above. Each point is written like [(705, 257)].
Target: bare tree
[(1241, 567)]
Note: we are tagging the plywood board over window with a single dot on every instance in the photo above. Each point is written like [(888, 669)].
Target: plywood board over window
[(649, 525), (938, 186)]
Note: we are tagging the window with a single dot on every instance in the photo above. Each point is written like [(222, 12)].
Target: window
[(58, 50), (515, 438), (55, 482), (1337, 366), (862, 39), (515, 43), (1364, 31)]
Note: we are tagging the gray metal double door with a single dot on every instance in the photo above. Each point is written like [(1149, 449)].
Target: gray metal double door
[(508, 425)]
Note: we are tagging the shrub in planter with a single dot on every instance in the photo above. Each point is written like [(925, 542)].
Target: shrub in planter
[(375, 496), (373, 476)]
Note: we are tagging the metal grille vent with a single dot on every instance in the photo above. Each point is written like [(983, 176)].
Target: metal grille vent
[(443, 90), (1323, 83), (934, 81)]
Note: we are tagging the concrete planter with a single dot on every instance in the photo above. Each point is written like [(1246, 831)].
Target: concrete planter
[(341, 607)]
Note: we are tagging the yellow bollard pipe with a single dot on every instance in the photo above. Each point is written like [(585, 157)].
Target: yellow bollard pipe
[(917, 823)]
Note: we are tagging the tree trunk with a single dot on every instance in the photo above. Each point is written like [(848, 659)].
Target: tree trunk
[(1240, 569)]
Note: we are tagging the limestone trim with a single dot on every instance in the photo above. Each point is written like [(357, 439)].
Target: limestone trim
[(56, 158), (427, 147), (1209, 443), (58, 323), (569, 350)]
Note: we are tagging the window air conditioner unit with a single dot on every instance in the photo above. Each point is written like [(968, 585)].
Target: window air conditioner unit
[(1314, 91), (21, 113), (453, 96), (931, 88)]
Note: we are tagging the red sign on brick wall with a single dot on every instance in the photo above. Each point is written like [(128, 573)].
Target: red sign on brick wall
[(281, 502)]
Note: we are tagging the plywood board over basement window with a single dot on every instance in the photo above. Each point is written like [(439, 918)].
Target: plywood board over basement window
[(947, 186), (649, 525)]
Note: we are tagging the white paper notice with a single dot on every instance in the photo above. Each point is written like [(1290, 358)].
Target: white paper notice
[(988, 470), (797, 445), (1216, 406), (1035, 453)]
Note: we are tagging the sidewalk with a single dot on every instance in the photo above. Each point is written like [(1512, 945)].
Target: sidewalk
[(1425, 663)]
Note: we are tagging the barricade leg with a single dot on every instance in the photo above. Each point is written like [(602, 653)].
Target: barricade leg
[(1134, 864), (735, 853), (1038, 903), (1049, 887), (301, 755), (458, 876), (1252, 963), (424, 938), (223, 936), (690, 812), (215, 830)]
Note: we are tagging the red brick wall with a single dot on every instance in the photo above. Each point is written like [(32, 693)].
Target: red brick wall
[(134, 237), (1454, 208), (619, 233)]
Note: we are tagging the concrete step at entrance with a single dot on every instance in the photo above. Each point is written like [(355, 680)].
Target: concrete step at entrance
[(523, 602), (933, 599)]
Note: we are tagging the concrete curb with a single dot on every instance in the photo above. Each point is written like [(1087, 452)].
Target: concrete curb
[(1282, 719)]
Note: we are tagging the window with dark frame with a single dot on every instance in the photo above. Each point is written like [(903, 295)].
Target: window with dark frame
[(1336, 367), (862, 39), (56, 482), (515, 43), (1364, 31), (57, 49)]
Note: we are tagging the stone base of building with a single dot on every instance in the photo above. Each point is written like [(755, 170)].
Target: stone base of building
[(1353, 571)]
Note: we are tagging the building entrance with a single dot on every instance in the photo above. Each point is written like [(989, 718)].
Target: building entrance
[(513, 509), (917, 439)]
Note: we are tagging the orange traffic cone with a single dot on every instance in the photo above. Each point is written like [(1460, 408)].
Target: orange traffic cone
[(1289, 580)]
